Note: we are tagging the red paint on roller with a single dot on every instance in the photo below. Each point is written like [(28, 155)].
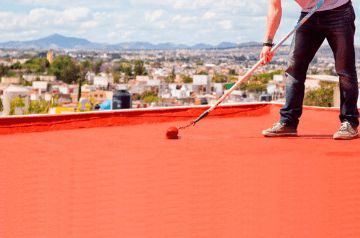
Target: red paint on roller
[(172, 133)]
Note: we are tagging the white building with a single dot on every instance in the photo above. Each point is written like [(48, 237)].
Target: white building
[(34, 77), (153, 83), (13, 92), (64, 89), (218, 89), (47, 78), (10, 80), (40, 85), (142, 78), (271, 88), (278, 78), (90, 76), (30, 77), (180, 91), (101, 82), (202, 84)]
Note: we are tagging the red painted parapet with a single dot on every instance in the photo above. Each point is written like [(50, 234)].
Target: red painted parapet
[(38, 123)]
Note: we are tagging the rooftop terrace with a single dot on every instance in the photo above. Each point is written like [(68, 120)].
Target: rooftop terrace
[(114, 174)]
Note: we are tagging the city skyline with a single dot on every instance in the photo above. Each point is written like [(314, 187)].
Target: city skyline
[(180, 22)]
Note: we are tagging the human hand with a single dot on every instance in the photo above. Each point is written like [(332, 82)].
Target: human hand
[(266, 55)]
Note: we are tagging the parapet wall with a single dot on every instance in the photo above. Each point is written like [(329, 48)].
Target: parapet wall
[(41, 123)]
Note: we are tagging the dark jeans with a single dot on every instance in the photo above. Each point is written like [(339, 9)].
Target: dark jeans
[(338, 27)]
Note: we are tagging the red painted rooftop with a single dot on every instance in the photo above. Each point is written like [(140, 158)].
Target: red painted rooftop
[(114, 174)]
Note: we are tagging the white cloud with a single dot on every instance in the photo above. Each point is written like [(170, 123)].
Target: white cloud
[(75, 14), (209, 15), (181, 21), (153, 16), (226, 24)]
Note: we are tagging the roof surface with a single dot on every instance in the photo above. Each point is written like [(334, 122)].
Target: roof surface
[(221, 179)]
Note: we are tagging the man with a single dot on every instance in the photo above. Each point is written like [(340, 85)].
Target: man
[(335, 22)]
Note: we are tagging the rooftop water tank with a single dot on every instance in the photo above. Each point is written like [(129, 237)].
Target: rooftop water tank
[(121, 100)]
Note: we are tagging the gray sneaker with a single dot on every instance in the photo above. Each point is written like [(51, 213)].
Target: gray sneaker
[(346, 132), (279, 129)]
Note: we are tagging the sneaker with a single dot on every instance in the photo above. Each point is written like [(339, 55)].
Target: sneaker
[(280, 129), (346, 132)]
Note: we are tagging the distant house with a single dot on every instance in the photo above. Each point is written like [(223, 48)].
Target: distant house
[(160, 74), (271, 87), (64, 89), (202, 84), (34, 77), (142, 78), (88, 88), (99, 95), (90, 76), (42, 86), (180, 91), (153, 82), (10, 80), (64, 99), (218, 89), (47, 78), (12, 92), (137, 87), (101, 82), (31, 77)]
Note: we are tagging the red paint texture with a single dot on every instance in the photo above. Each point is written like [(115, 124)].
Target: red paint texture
[(222, 179)]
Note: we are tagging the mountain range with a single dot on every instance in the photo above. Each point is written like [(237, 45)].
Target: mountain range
[(57, 41)]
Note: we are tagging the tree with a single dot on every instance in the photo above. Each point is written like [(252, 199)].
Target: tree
[(4, 70), (125, 67), (186, 79), (253, 86), (16, 66), (39, 107), (266, 77), (65, 69), (11, 73), (232, 72), (322, 97), (139, 68), (330, 71), (97, 66), (233, 79), (16, 103), (36, 65), (199, 62), (171, 77), (87, 64), (258, 82), (116, 77), (149, 97), (24, 83), (156, 65), (219, 78), (203, 73)]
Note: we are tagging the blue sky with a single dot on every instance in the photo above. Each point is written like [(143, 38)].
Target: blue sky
[(113, 21)]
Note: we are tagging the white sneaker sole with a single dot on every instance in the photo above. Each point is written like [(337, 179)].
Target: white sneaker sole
[(290, 134), (346, 137)]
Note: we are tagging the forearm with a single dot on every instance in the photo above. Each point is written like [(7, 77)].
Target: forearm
[(273, 19)]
